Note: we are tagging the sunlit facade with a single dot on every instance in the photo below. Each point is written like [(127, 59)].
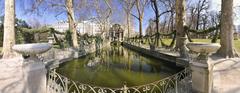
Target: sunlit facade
[(84, 27)]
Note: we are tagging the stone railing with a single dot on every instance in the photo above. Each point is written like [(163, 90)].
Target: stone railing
[(55, 54), (177, 83)]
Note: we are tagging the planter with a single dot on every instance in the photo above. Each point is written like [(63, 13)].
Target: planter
[(203, 48), (152, 47), (32, 50), (50, 40)]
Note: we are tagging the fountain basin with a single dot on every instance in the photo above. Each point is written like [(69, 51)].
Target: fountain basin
[(32, 49), (114, 66)]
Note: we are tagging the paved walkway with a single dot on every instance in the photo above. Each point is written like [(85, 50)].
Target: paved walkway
[(11, 76), (226, 75)]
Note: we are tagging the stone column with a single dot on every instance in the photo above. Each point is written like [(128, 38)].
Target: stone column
[(202, 69), (75, 52), (35, 77), (202, 73)]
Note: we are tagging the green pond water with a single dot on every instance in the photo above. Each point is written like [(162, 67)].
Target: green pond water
[(115, 66)]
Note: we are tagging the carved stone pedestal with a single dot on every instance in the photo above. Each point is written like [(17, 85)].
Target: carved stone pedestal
[(76, 52), (34, 71), (35, 78), (201, 77), (202, 69)]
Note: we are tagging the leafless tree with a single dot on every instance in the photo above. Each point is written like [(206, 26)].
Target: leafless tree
[(59, 7), (198, 12), (103, 12), (34, 23), (155, 7), (140, 7), (128, 6)]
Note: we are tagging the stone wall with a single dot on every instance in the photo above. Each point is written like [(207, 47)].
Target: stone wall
[(54, 57), (165, 57)]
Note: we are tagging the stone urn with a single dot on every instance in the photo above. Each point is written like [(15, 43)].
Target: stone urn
[(50, 40), (152, 47), (31, 50), (235, 35), (203, 48)]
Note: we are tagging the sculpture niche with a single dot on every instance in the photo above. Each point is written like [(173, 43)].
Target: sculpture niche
[(116, 32)]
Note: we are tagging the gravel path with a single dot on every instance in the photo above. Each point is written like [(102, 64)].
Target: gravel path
[(226, 76)]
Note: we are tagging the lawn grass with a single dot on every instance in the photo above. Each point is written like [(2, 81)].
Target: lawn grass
[(236, 42)]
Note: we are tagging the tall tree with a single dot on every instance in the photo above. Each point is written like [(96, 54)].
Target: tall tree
[(71, 20), (154, 5), (58, 7), (201, 6), (156, 11), (9, 29), (127, 6), (140, 6), (180, 18), (103, 11), (226, 30)]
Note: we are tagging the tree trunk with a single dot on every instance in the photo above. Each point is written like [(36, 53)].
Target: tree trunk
[(181, 35), (140, 26), (71, 20), (9, 29), (226, 30), (128, 24), (157, 21), (180, 11), (198, 19)]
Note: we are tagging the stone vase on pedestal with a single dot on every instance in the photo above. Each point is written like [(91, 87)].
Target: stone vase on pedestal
[(50, 40), (202, 69), (152, 47), (34, 70), (236, 36)]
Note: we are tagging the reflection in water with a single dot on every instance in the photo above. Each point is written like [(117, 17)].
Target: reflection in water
[(94, 62), (113, 66)]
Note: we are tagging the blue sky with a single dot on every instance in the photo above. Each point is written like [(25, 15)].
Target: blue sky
[(49, 17), (216, 6)]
